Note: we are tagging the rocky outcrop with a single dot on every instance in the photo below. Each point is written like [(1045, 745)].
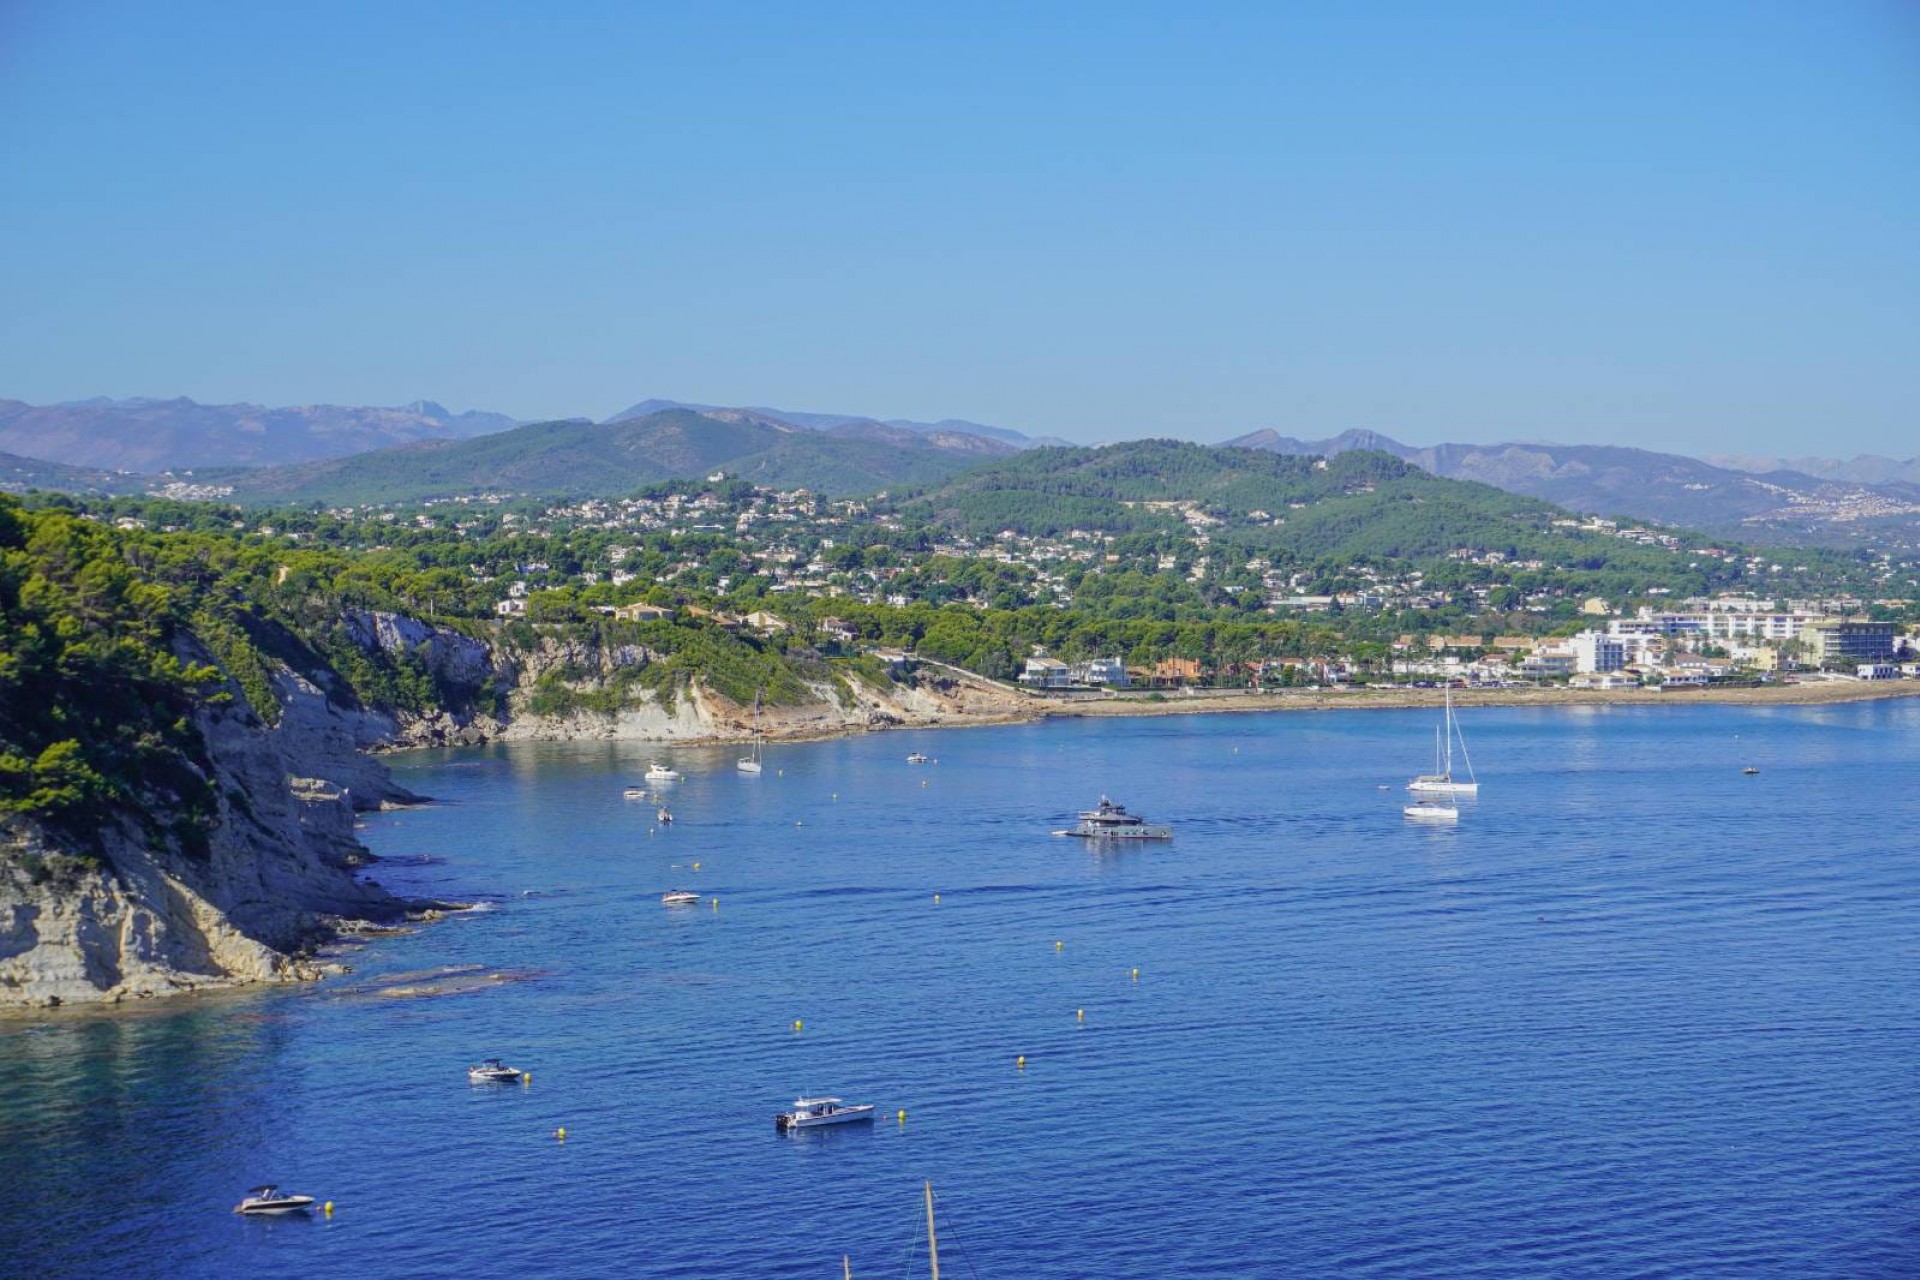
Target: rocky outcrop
[(141, 907)]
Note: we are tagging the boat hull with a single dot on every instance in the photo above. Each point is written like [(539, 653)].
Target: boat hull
[(1105, 837), (292, 1204), (748, 766), (1431, 813), (786, 1122)]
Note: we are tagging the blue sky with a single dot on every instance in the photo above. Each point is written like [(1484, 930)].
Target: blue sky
[(1689, 226)]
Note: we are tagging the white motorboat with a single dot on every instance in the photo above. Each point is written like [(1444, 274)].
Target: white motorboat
[(916, 758), (679, 897), (493, 1071), (1432, 811), (813, 1113), (1441, 781), (268, 1199), (1112, 822), (657, 772), (635, 793)]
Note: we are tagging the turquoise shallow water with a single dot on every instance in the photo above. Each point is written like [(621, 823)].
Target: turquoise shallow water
[(1637, 1015)]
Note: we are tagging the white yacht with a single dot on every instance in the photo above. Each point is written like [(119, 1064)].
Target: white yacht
[(268, 1199), (916, 758), (812, 1113), (1441, 781), (679, 897), (492, 1071), (1112, 822), (657, 772)]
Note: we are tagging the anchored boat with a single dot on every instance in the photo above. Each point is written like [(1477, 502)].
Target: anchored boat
[(267, 1199), (657, 772), (813, 1113), (1112, 822), (1441, 781), (679, 897), (493, 1071)]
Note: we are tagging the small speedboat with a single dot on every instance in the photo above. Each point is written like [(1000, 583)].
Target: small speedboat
[(1749, 771), (657, 772), (665, 816), (1431, 811), (813, 1113), (635, 793), (268, 1199), (680, 897), (493, 1071), (916, 758)]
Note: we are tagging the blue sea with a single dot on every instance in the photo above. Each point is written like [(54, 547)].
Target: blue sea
[(1636, 1014)]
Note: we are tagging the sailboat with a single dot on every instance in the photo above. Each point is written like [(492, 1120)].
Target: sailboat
[(933, 1245), (750, 763), (1441, 781)]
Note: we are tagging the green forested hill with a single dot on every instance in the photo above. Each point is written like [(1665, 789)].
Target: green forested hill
[(584, 459), (1358, 503)]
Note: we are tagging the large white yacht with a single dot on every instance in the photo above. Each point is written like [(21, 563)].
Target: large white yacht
[(1112, 822)]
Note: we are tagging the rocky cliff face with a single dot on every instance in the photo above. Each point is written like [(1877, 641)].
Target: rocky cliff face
[(141, 911)]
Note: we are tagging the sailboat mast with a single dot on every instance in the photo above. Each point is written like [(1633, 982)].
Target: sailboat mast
[(1448, 736), (933, 1245)]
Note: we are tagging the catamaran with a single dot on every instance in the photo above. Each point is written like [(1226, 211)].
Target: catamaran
[(1441, 781)]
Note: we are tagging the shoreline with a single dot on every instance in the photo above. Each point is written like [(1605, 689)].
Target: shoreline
[(1039, 707)]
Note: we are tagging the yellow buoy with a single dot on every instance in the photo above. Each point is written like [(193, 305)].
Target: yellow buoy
[(526, 1077), (796, 1024), (902, 1113), (327, 1208), (1021, 1062), (936, 899), (716, 903), (696, 866), (1080, 1015), (1059, 946), (561, 1133), (1136, 975)]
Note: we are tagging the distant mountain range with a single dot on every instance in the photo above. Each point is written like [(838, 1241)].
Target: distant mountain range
[(147, 435), (340, 453), (585, 459), (1780, 506)]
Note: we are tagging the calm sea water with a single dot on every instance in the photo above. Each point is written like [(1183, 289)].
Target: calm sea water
[(1637, 1015)]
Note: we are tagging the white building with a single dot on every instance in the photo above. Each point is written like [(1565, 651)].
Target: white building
[(1596, 652), (1107, 671), (1046, 673)]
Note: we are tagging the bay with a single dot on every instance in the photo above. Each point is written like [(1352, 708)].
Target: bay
[(1637, 1014)]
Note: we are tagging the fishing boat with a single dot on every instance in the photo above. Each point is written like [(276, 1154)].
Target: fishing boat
[(493, 1071), (679, 897), (916, 758), (657, 772), (267, 1198), (1112, 822), (814, 1113), (1441, 781), (1432, 811), (750, 763)]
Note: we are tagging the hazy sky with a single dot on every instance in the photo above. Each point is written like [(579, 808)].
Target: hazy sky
[(1689, 226)]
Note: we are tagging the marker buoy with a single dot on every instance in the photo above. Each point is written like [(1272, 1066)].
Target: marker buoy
[(1021, 1062), (561, 1133), (796, 1024), (936, 899), (327, 1208), (526, 1077), (1080, 1015), (902, 1113), (1136, 975), (1059, 946)]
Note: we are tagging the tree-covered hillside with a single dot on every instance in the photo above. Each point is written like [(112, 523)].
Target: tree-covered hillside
[(585, 459)]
